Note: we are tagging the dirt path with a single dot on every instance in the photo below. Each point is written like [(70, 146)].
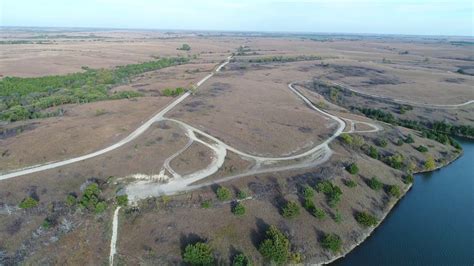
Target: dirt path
[(113, 240)]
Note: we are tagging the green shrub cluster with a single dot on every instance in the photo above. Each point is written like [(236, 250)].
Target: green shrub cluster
[(223, 193), (352, 168), (198, 254), (350, 183), (408, 179), (28, 203), (308, 192), (375, 184), (346, 138), (366, 219), (241, 260), (91, 199), (173, 93), (241, 194), (238, 209), (276, 247), (333, 193), (373, 152), (291, 210), (332, 242), (422, 148), (122, 200), (394, 191), (395, 161), (184, 47), (206, 204)]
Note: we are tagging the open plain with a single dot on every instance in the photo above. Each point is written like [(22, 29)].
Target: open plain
[(333, 124)]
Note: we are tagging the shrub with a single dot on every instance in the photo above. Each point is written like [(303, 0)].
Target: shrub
[(409, 139), (184, 47), (395, 161), (47, 223), (198, 254), (223, 193), (308, 204), (241, 194), (100, 207), (350, 183), (276, 247), (241, 260), (238, 209), (353, 168), (381, 143), (430, 163), (173, 93), (291, 210), (90, 199), (394, 191), (308, 192), (399, 142), (332, 242), (71, 200), (318, 213), (28, 203), (206, 204), (375, 184), (372, 152), (422, 148), (358, 141), (295, 258), (346, 138), (337, 217), (333, 193), (122, 200), (366, 219), (408, 179)]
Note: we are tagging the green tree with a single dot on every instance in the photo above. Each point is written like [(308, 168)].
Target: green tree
[(184, 47), (430, 163), (238, 209), (308, 191), (353, 168), (122, 200), (223, 193), (332, 242), (198, 254), (422, 148), (206, 204), (276, 247), (71, 200), (28, 203), (373, 152), (366, 219), (319, 213), (241, 194), (375, 184), (241, 260), (346, 138), (350, 183), (394, 191), (409, 139), (291, 209), (408, 179)]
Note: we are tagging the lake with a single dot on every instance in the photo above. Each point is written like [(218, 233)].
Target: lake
[(433, 224)]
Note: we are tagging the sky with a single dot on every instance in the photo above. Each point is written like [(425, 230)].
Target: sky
[(417, 17)]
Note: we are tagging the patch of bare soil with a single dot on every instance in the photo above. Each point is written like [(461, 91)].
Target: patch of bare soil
[(83, 129), (194, 158)]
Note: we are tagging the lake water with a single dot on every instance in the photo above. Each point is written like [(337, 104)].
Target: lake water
[(433, 224)]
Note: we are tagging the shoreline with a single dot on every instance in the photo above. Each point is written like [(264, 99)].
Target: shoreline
[(367, 234)]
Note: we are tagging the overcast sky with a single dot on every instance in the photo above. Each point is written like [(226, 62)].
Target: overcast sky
[(448, 17)]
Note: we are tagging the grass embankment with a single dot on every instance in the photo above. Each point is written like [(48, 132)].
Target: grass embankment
[(27, 98)]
